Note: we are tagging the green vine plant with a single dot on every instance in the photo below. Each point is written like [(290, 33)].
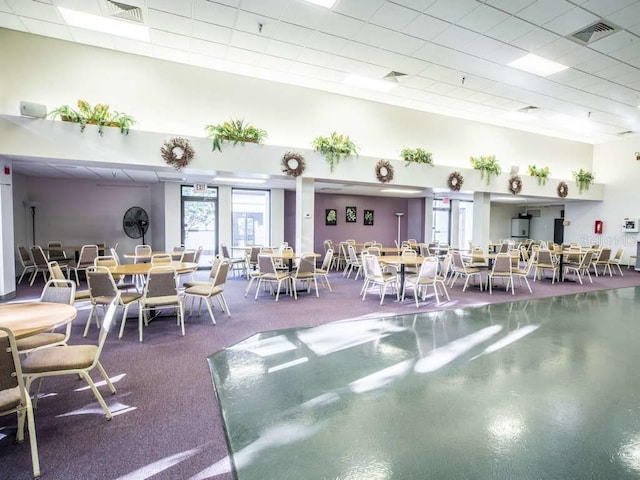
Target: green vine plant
[(542, 174), (583, 178), (236, 131), (335, 148), (98, 115), (417, 155), (487, 165)]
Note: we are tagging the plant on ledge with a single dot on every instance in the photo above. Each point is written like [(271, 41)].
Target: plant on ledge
[(335, 148), (583, 178), (542, 174), (235, 131), (417, 155), (487, 165), (98, 115)]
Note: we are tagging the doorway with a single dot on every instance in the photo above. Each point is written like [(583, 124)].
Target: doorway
[(558, 230), (199, 211)]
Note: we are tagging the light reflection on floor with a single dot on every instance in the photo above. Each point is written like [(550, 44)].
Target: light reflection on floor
[(545, 388)]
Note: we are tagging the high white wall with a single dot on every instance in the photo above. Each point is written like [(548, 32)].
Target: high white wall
[(168, 97), (615, 165)]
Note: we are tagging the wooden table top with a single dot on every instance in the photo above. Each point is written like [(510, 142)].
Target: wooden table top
[(174, 255), (143, 268), (400, 260), (29, 318)]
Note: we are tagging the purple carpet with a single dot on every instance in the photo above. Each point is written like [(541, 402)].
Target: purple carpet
[(166, 422)]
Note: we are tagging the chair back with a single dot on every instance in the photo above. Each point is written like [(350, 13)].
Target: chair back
[(429, 268), (424, 250), (221, 274), (55, 251), (327, 244), (618, 256), (502, 263), (55, 272), (162, 281), (108, 261), (101, 282), (353, 256), (372, 268), (188, 256), (544, 257), (10, 371), (446, 265), (306, 265), (39, 257), (224, 250), (586, 259), (326, 261), (265, 264), (198, 254), (115, 255), (409, 253), (142, 251), (458, 263), (24, 256), (477, 255), (161, 259), (373, 250), (107, 322), (88, 254), (605, 254), (178, 249), (59, 291)]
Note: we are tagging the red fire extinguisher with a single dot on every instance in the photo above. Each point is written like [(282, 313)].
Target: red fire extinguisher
[(598, 227)]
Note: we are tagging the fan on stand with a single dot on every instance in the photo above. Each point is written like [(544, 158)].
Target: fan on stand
[(135, 223)]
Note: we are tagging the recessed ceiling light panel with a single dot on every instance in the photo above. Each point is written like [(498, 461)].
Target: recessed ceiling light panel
[(370, 83), (537, 65), (108, 25), (323, 3)]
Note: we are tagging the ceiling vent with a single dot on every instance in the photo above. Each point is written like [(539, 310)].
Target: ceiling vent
[(124, 11), (627, 132), (528, 109), (393, 76), (594, 32)]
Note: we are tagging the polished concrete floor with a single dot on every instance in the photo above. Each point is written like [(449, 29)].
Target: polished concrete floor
[(539, 389)]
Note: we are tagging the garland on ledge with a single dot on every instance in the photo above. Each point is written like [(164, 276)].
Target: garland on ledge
[(515, 184), (384, 171), (177, 152), (563, 189), (455, 181), (293, 164)]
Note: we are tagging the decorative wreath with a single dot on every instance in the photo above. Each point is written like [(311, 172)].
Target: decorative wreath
[(563, 189), (515, 184), (177, 152), (455, 181), (384, 171), (293, 164)]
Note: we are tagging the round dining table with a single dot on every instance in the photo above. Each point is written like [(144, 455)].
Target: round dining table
[(30, 318), (143, 268), (147, 258)]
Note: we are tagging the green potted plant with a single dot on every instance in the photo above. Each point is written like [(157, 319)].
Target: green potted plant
[(98, 115), (335, 148), (542, 174), (236, 131), (417, 155), (583, 178), (487, 165)]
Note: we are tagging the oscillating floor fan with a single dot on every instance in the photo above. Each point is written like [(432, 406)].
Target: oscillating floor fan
[(135, 223)]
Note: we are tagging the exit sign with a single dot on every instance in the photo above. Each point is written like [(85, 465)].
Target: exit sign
[(200, 187)]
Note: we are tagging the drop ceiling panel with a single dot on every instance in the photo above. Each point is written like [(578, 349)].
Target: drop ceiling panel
[(456, 38), (426, 27), (482, 19), (36, 10), (393, 16), (214, 13), (510, 6), (341, 25), (627, 17), (535, 39), (452, 11), (616, 42), (48, 29), (510, 29), (305, 14), (361, 10), (494, 50), (172, 40), (272, 8), (606, 7), (544, 11), (169, 22), (327, 43), (284, 49), (177, 8), (12, 22)]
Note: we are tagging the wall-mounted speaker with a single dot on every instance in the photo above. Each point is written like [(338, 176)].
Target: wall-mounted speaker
[(30, 109)]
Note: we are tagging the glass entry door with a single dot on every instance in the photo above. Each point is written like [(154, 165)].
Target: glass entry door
[(200, 221)]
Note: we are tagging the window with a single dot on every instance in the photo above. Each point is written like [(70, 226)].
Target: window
[(200, 220), (251, 217), (441, 220)]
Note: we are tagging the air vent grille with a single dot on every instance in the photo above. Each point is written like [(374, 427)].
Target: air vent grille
[(124, 11), (594, 32), (529, 108), (393, 76)]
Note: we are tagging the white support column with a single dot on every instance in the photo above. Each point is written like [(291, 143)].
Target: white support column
[(225, 221), (455, 224), (7, 248), (428, 219), (305, 204), (277, 216), (481, 219)]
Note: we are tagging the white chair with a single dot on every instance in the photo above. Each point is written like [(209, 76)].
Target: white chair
[(41, 264), (271, 275), (28, 266), (88, 254), (460, 270), (14, 395), (323, 271), (305, 273), (72, 360), (426, 277), (160, 291), (374, 276), (208, 290), (581, 268), (502, 267), (55, 291)]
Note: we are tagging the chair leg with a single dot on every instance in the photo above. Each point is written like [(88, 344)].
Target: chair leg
[(97, 394), (32, 439), (213, 319), (107, 380)]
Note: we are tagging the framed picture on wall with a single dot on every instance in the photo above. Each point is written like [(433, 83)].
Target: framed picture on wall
[(351, 214), (330, 216), (368, 217)]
